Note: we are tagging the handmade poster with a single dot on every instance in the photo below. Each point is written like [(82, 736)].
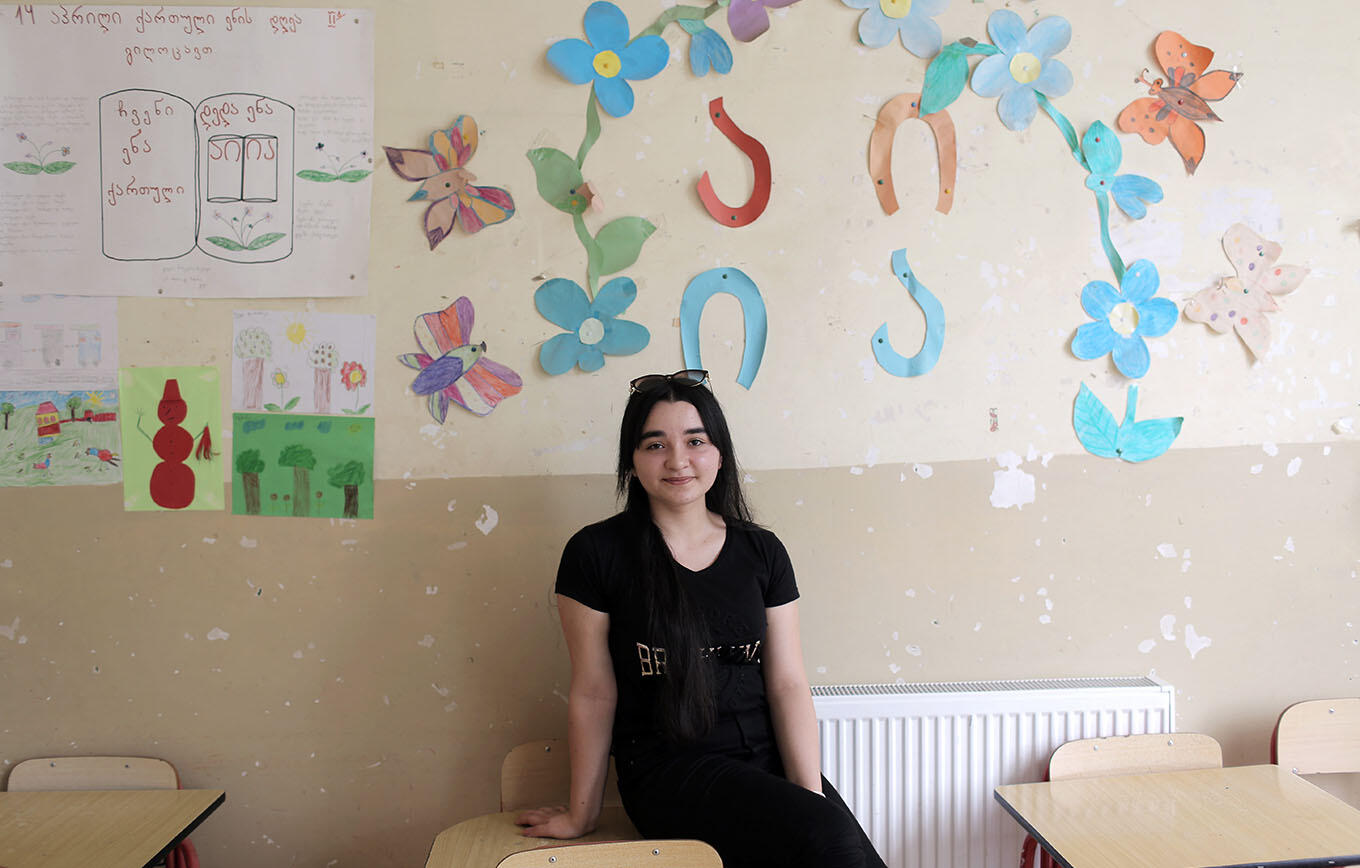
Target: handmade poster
[(171, 427), (53, 437), (1180, 101), (1241, 303), (303, 362), (318, 466), (186, 151), (58, 342)]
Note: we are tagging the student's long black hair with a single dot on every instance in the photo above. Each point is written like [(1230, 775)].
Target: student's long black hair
[(685, 701)]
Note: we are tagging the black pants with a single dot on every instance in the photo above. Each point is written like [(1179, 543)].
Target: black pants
[(732, 794)]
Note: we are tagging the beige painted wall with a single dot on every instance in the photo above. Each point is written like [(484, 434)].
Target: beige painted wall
[(353, 685)]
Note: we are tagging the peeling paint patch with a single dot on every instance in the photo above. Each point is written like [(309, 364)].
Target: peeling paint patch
[(1194, 642), (248, 543), (8, 632), (218, 633), (488, 521), (1012, 486), (1168, 627), (925, 471), (856, 471), (1257, 468), (1166, 550), (210, 539), (1270, 449), (914, 650), (452, 504), (1294, 464), (1289, 544), (426, 642), (455, 546), (1146, 645), (6, 563)]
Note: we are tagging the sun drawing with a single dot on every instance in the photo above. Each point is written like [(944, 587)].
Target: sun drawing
[(298, 336)]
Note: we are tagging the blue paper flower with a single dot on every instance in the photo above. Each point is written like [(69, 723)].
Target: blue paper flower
[(908, 19), (1025, 65), (1103, 155), (592, 328), (608, 59), (1123, 318), (707, 49)]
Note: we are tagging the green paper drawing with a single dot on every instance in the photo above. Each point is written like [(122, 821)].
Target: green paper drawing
[(171, 417), (301, 466)]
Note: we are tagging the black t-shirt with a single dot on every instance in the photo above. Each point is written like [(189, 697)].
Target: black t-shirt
[(751, 573)]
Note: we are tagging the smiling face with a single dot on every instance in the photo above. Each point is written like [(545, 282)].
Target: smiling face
[(675, 460)]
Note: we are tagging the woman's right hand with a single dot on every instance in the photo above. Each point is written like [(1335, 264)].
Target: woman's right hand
[(552, 822)]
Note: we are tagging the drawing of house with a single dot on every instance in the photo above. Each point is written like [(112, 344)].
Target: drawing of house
[(91, 416), (49, 422)]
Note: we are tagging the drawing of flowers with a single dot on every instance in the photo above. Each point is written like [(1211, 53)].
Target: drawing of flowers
[(910, 20), (1103, 155), (353, 376), (1123, 317), (1025, 65), (593, 330), (707, 49), (747, 19), (607, 59), (338, 171), (41, 154), (280, 380), (243, 232)]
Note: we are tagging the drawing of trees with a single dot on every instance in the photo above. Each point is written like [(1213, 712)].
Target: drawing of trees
[(253, 347), (302, 460), (249, 464), (325, 358), (348, 476), (73, 404), (6, 409)]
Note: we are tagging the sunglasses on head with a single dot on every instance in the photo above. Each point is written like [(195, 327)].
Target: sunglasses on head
[(679, 378)]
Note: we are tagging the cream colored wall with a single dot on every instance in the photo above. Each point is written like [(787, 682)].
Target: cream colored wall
[(352, 685)]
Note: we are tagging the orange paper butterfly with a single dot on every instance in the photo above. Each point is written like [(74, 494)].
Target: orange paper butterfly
[(1175, 109)]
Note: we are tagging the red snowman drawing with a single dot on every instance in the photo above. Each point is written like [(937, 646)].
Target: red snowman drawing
[(172, 481)]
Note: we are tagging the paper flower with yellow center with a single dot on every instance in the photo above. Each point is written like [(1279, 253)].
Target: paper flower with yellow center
[(607, 59), (1123, 317), (1025, 65), (909, 20)]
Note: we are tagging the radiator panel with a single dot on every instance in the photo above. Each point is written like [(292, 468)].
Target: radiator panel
[(917, 763)]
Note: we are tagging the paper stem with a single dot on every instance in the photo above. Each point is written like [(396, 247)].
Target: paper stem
[(1065, 127), (1116, 262), (592, 130), (677, 12), (592, 253), (1130, 405)]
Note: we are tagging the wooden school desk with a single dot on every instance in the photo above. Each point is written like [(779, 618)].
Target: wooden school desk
[(107, 828), (483, 842), (1205, 818)]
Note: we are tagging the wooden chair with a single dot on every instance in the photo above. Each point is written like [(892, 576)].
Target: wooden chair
[(538, 773), (104, 773), (618, 854), (1126, 755), (1318, 736)]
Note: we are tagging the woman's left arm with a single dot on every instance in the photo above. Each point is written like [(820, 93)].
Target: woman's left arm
[(786, 687)]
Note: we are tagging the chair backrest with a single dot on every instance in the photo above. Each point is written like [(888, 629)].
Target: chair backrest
[(1134, 754), (93, 773), (538, 773), (1319, 736), (618, 854)]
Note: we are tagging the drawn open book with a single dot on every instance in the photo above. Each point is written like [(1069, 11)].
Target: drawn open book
[(216, 176)]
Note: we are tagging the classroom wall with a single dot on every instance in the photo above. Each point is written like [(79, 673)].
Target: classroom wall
[(353, 685)]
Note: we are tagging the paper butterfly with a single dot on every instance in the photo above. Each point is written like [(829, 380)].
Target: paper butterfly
[(1131, 441), (1242, 302), (452, 368), (447, 185), (1175, 109)]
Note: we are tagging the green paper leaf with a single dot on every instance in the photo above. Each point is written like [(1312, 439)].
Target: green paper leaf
[(355, 175), (621, 241), (58, 167), (225, 243), (24, 168), (264, 240), (315, 175), (559, 179), (945, 78), (292, 402)]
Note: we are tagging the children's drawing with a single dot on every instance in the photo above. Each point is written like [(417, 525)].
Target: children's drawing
[(1242, 302), (921, 363), (909, 20), (447, 186), (305, 352), (734, 282), (1130, 441), (1178, 104), (594, 329), (234, 150), (300, 466), (741, 215), (43, 153), (452, 368), (50, 437), (896, 110), (336, 169), (58, 342), (1025, 67), (169, 418), (1123, 317)]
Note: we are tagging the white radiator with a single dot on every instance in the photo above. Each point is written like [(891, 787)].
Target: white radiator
[(917, 762)]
